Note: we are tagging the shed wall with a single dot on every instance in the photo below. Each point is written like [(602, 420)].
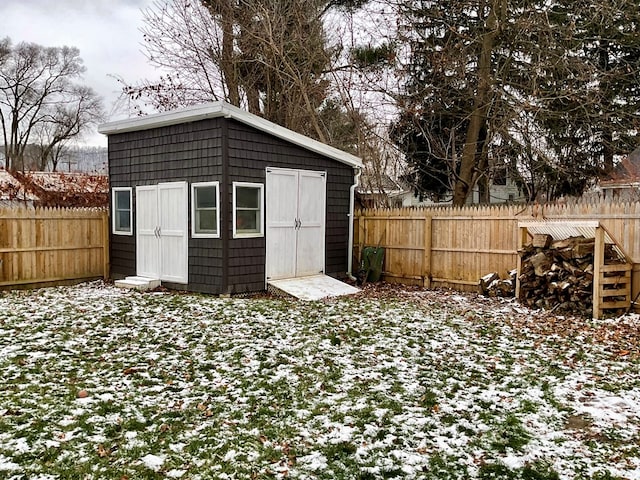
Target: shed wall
[(190, 152), (196, 152), (250, 153)]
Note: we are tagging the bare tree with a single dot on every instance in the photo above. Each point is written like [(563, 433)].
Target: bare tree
[(289, 61), (38, 95), (269, 56), (182, 39), (65, 123)]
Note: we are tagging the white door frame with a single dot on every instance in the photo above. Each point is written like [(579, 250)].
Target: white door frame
[(173, 215), (162, 237), (147, 241), (295, 223)]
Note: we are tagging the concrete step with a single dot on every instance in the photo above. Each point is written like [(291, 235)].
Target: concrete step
[(138, 283)]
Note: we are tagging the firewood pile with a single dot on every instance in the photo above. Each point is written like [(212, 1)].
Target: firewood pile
[(558, 275), (492, 285)]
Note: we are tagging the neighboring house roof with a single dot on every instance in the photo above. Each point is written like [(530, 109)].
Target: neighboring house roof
[(12, 190), (377, 184), (626, 173), (70, 182), (54, 189), (223, 109)]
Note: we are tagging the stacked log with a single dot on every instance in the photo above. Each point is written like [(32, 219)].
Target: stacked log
[(492, 285), (558, 275)]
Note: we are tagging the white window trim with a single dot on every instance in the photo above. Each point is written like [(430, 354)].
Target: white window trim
[(193, 210), (260, 232), (114, 190)]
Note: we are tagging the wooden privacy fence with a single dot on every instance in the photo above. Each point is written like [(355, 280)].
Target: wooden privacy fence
[(46, 245), (455, 247)]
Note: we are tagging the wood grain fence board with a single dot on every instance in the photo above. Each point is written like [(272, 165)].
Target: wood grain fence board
[(52, 245), (463, 244)]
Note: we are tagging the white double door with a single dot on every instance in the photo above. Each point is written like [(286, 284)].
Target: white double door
[(295, 225), (162, 213)]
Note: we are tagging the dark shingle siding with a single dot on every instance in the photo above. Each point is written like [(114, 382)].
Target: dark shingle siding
[(193, 152), (189, 152), (250, 152), (122, 255)]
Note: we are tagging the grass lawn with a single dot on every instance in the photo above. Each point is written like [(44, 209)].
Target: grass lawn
[(100, 383)]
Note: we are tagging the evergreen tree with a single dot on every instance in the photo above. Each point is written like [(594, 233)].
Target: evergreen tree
[(551, 92)]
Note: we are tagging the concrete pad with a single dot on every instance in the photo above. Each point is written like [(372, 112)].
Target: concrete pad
[(314, 287)]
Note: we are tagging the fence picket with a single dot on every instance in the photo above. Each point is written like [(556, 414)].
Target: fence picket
[(468, 242), (44, 245)]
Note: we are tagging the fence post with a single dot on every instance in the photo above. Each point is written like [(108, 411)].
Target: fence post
[(598, 262), (522, 240), (426, 262), (106, 264), (364, 237)]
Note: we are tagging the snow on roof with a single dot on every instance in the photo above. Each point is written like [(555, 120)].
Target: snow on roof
[(626, 173), (375, 184), (54, 188), (224, 109), (70, 182), (11, 189)]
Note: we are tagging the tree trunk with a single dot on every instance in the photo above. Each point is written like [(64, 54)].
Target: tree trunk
[(469, 160), (607, 151), (607, 136), (227, 61)]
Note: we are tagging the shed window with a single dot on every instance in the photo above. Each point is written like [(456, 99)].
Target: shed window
[(205, 221), (121, 211), (248, 200)]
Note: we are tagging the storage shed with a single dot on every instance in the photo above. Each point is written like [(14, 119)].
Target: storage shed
[(213, 199)]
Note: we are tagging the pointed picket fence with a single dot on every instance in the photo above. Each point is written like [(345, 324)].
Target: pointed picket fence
[(49, 245), (455, 246)]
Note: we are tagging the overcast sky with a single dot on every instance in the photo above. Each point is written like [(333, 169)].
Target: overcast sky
[(105, 31)]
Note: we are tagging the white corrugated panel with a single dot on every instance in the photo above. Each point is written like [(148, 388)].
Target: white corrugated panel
[(560, 230)]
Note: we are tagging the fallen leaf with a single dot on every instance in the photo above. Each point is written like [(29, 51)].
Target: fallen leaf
[(102, 452)]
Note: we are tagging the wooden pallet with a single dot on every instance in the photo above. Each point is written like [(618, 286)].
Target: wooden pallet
[(611, 283), (614, 291)]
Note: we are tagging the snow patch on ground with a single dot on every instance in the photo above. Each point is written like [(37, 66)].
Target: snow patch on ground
[(198, 387)]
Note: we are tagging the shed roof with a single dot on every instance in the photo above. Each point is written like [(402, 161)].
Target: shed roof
[(224, 109), (376, 184), (562, 229)]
